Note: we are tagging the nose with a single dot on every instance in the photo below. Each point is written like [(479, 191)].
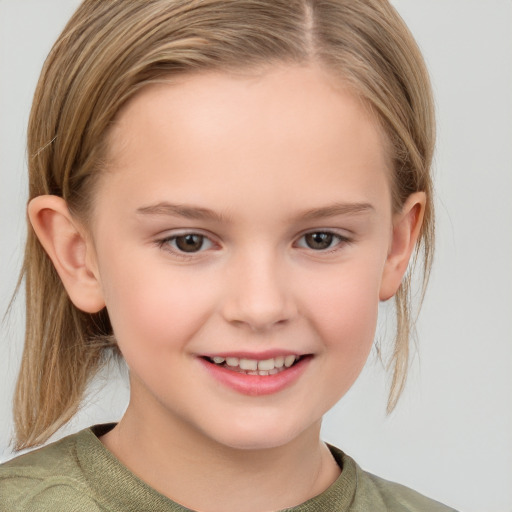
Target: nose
[(258, 294)]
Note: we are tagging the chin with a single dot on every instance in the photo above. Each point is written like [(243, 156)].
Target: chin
[(261, 435), (255, 443)]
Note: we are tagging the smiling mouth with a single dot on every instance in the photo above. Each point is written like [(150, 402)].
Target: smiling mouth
[(271, 366)]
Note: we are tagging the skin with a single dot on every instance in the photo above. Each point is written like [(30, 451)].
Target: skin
[(260, 152)]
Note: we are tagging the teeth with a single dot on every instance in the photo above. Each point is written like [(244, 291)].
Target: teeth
[(255, 367), (267, 364), (248, 364), (289, 360), (279, 362)]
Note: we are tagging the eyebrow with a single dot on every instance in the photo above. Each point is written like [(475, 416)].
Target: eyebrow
[(337, 209), (179, 210), (198, 213)]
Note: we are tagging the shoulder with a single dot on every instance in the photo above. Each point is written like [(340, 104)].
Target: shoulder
[(44, 478), (379, 495), (401, 498)]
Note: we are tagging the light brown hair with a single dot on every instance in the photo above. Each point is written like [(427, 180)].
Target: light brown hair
[(108, 51)]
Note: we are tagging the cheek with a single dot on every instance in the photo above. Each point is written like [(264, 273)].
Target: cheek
[(154, 307), (345, 311), (349, 321)]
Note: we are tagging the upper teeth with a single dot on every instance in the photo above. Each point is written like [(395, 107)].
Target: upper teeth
[(254, 364)]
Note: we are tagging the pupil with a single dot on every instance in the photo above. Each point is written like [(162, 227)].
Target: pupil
[(189, 243), (319, 240)]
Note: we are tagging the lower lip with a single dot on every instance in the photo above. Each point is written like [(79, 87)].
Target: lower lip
[(256, 385)]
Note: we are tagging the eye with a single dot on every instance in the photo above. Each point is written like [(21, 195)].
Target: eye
[(321, 240), (186, 243)]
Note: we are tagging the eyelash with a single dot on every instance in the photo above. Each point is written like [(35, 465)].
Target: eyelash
[(165, 243)]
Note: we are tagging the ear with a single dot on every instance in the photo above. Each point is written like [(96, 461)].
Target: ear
[(71, 252), (406, 229)]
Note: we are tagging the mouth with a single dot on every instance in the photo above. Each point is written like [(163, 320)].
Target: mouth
[(256, 375), (265, 367)]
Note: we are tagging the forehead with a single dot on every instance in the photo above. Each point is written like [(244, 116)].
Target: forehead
[(286, 127)]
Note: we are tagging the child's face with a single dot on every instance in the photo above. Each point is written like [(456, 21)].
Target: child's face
[(281, 183)]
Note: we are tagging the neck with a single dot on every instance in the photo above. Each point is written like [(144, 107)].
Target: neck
[(200, 474)]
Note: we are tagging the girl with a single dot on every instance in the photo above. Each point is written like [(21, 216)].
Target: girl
[(221, 192)]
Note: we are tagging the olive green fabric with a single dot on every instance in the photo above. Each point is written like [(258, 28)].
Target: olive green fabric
[(79, 474)]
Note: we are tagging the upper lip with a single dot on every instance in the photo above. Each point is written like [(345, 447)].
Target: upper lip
[(258, 356)]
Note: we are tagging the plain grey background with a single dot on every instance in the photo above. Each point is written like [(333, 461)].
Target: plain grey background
[(451, 435)]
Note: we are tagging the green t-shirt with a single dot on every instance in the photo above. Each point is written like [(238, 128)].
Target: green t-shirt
[(78, 474)]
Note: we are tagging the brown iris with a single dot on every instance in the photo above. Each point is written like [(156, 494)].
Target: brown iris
[(189, 243), (319, 240)]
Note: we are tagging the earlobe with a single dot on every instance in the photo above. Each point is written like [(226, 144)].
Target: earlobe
[(406, 230), (69, 250)]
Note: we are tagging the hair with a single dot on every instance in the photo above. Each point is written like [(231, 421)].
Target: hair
[(108, 52)]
